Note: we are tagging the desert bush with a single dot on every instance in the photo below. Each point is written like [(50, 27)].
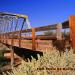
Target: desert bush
[(51, 63)]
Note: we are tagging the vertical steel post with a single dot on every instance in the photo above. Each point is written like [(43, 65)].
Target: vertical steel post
[(58, 31), (33, 39), (12, 58), (72, 30), (20, 32), (12, 52), (20, 38)]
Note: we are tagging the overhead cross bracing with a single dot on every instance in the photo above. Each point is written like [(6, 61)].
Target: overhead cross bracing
[(13, 22)]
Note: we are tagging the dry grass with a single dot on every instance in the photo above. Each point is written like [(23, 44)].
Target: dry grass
[(48, 61)]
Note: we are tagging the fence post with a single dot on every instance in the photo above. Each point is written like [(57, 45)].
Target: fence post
[(33, 39), (58, 31), (72, 30)]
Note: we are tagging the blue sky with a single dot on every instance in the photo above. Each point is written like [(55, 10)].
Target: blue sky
[(40, 12)]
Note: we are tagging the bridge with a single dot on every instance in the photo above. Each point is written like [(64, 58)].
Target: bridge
[(15, 30)]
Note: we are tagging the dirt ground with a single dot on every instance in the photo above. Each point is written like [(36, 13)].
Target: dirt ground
[(3, 47)]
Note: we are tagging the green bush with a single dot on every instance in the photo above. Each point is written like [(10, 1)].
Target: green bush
[(45, 63)]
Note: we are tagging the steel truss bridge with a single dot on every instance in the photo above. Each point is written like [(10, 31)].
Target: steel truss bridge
[(15, 30)]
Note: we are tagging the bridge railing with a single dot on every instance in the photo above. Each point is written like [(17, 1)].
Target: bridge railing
[(28, 38), (32, 38)]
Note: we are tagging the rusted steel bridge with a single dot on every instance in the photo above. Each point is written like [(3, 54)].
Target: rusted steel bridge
[(15, 30)]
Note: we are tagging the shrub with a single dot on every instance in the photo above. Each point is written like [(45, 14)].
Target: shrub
[(44, 64)]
